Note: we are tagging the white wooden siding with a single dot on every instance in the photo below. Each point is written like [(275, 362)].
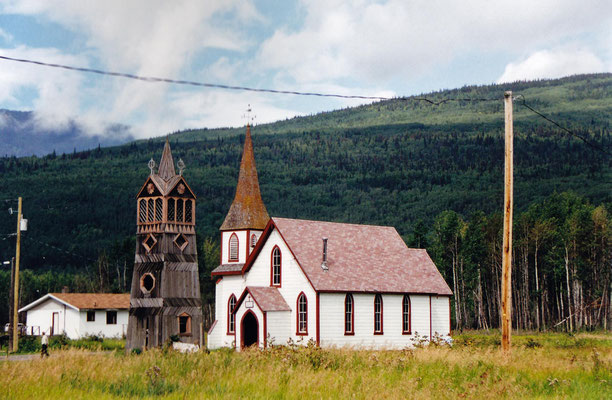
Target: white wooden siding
[(440, 315), (242, 250), (331, 309), (279, 330), (230, 284)]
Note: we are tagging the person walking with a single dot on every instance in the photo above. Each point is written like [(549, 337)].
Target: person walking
[(44, 341)]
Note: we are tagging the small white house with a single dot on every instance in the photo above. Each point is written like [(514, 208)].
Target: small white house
[(78, 314)]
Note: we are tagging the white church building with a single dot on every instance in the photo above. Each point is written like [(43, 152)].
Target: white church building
[(333, 283)]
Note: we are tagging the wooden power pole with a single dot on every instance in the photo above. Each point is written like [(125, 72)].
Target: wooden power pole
[(16, 282), (506, 295)]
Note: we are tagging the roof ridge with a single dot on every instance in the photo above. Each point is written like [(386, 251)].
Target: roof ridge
[(334, 222)]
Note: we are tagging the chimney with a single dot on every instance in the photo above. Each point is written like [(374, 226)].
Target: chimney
[(324, 263), (65, 289)]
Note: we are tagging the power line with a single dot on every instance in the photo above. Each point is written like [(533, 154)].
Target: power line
[(231, 87), (60, 250), (597, 147)]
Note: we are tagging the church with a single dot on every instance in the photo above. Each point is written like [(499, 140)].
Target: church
[(334, 284)]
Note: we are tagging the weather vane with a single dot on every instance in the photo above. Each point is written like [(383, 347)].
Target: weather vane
[(248, 116), (181, 166), (151, 165)]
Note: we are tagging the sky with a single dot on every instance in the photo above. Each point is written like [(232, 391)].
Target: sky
[(359, 47)]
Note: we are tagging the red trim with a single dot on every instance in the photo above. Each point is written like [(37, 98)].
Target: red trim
[(352, 331), (280, 267), (242, 330), (380, 332), (409, 331), (317, 322), (430, 318), (248, 245), (229, 248), (212, 327), (218, 280), (265, 330), (297, 315), (220, 254), (230, 312)]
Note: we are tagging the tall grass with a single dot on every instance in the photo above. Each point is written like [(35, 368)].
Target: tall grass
[(471, 370)]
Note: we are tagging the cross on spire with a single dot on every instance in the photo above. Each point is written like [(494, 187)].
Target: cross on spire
[(247, 115)]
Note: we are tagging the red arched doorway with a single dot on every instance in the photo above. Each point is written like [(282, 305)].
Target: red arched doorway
[(249, 330)]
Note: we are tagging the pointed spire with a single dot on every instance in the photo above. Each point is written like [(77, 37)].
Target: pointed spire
[(166, 165), (247, 210)]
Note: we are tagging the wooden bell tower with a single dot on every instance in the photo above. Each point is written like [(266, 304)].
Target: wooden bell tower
[(165, 294)]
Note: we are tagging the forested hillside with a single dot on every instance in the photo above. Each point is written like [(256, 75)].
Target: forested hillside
[(432, 171)]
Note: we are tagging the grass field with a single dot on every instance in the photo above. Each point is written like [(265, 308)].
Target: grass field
[(541, 365)]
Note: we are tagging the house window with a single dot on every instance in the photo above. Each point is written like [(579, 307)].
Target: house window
[(233, 248), (111, 318), (406, 315), (253, 240), (276, 267), (349, 315), (302, 316), (231, 317), (378, 315), (91, 316), (184, 321)]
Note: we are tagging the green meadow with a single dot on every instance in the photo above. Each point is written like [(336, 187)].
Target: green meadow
[(551, 365)]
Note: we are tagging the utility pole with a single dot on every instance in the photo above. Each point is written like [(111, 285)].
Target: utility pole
[(506, 295), (11, 302), (16, 282)]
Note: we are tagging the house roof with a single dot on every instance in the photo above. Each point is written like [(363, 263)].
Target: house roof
[(247, 210), (88, 301), (360, 258), (266, 298)]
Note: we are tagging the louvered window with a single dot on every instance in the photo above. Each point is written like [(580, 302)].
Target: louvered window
[(151, 209), (179, 210), (233, 248), (188, 210), (171, 206), (159, 209), (142, 212)]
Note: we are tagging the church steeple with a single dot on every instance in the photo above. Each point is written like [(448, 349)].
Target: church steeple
[(166, 165), (247, 210)]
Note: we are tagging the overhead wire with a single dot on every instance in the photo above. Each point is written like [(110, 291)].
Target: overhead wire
[(293, 92)]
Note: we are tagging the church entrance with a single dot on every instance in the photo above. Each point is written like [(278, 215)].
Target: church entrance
[(249, 330)]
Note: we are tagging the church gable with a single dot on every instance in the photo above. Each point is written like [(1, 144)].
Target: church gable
[(149, 189)]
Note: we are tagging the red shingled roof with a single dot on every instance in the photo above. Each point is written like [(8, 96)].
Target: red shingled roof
[(361, 258), (95, 300), (267, 298)]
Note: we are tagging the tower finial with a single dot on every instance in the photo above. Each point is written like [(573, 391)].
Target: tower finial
[(247, 115), (181, 166), (152, 166), (166, 165)]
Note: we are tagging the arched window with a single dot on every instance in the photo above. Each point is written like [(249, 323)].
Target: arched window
[(349, 315), (233, 247), (275, 271), (406, 315), (378, 315), (253, 240), (302, 315), (231, 317)]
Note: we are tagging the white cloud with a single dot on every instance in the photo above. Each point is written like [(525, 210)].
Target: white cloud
[(397, 39), (6, 36), (553, 64)]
